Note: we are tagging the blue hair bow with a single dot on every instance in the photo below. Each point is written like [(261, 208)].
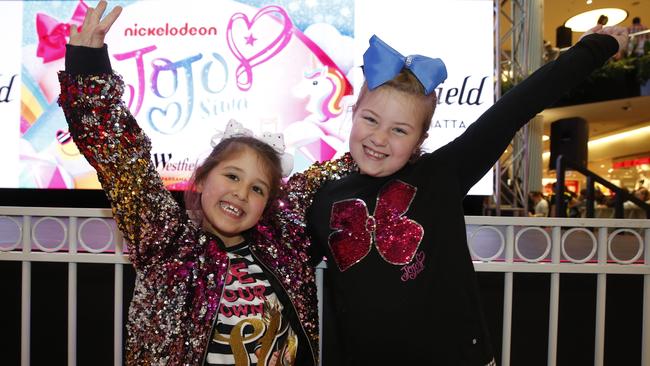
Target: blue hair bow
[(381, 63)]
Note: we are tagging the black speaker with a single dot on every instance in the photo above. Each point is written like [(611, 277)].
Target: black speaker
[(569, 138), (563, 37)]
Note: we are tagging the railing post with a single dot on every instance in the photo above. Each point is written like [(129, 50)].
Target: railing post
[(554, 302), (591, 197), (508, 280), (601, 299), (118, 303), (26, 289), (72, 294)]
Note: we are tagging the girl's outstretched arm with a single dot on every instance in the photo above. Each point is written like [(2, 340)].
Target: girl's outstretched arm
[(109, 137), (476, 150)]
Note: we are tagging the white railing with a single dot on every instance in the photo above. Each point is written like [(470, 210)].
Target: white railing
[(30, 234), (497, 244), (558, 238)]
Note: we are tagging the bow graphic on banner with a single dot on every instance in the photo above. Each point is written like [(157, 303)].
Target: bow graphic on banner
[(53, 35), (396, 237)]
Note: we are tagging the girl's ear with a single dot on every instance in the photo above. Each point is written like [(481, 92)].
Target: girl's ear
[(198, 187)]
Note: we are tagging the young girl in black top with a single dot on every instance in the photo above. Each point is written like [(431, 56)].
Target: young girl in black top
[(403, 288)]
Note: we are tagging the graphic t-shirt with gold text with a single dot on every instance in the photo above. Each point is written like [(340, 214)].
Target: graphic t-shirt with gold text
[(250, 327)]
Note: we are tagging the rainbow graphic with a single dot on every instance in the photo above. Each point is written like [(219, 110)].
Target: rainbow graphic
[(32, 102)]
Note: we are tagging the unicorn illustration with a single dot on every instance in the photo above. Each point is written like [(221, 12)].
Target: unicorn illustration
[(325, 87), (320, 136)]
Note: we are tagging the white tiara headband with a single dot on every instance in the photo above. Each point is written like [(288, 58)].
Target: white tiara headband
[(275, 140)]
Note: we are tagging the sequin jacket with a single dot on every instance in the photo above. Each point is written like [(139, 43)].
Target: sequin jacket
[(180, 268)]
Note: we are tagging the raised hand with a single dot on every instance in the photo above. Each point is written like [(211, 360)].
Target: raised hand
[(620, 33), (94, 28)]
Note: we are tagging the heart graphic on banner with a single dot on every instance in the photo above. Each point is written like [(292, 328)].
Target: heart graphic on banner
[(251, 51), (167, 119)]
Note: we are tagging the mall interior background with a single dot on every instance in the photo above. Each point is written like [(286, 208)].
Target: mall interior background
[(619, 128)]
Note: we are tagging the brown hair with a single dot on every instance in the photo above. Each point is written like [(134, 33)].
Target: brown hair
[(226, 149), (406, 82)]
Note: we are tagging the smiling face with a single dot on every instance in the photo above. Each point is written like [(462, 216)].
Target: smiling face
[(387, 130), (234, 195)]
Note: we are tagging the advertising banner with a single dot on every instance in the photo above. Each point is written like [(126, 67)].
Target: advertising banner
[(189, 67)]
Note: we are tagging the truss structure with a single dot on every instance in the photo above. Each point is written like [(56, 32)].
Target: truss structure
[(511, 173)]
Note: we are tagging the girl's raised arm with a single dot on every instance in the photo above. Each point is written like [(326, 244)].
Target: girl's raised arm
[(111, 140), (478, 148)]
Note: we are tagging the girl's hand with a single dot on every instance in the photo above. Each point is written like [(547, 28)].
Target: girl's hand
[(620, 33), (93, 30)]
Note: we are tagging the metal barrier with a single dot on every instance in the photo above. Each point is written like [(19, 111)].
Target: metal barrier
[(498, 244)]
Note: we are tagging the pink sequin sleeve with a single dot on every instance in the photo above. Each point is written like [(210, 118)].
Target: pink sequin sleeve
[(286, 220), (111, 140)]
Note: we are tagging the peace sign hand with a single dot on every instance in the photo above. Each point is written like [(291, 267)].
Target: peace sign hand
[(94, 29)]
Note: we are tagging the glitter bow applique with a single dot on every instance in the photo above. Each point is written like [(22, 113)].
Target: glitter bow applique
[(396, 237)]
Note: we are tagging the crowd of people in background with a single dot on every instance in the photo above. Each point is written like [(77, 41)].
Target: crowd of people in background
[(637, 44), (541, 205)]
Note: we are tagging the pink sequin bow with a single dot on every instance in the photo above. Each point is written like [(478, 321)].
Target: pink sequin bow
[(53, 35), (396, 237)]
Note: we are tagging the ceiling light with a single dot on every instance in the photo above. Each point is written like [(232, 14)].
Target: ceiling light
[(619, 136), (587, 20), (545, 138)]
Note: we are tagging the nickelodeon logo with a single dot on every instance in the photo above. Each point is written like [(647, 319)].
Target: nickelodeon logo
[(169, 30)]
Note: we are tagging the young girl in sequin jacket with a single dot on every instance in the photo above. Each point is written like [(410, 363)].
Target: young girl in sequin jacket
[(229, 285)]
